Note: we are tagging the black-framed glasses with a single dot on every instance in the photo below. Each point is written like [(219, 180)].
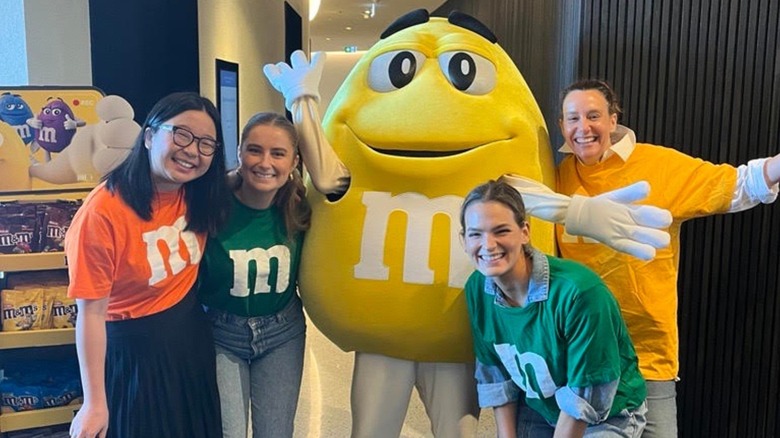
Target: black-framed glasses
[(183, 137)]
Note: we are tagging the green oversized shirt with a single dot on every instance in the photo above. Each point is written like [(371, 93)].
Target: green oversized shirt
[(250, 268), (569, 339)]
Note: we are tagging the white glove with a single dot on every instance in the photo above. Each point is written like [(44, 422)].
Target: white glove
[(611, 219), (302, 79), (70, 124), (35, 122)]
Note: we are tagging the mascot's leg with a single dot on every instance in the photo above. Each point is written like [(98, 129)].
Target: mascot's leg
[(381, 388), (449, 393)]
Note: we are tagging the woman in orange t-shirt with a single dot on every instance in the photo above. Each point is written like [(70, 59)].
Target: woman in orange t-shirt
[(145, 347)]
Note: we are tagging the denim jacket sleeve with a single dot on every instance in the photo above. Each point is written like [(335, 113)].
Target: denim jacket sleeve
[(494, 387)]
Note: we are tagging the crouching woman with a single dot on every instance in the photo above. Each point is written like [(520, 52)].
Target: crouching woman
[(554, 357)]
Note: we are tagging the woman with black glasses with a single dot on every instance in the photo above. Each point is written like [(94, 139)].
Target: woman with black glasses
[(144, 344)]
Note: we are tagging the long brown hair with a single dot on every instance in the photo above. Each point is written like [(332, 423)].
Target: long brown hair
[(497, 191), (291, 197)]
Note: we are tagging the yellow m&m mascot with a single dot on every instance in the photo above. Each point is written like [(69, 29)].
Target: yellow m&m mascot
[(435, 108)]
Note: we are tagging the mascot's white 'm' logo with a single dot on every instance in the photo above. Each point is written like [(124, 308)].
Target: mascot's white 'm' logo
[(171, 236), (518, 366), (262, 259), (420, 211)]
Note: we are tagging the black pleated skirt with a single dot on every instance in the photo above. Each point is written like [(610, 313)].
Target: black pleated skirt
[(161, 375)]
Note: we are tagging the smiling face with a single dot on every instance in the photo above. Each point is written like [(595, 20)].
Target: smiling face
[(13, 109), (494, 240), (586, 124), (171, 165), (267, 160), (55, 113), (432, 100), (429, 112)]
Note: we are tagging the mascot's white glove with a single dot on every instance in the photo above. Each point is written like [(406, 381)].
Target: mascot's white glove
[(611, 219), (302, 79)]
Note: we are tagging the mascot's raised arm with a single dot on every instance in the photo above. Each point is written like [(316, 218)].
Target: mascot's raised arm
[(433, 109)]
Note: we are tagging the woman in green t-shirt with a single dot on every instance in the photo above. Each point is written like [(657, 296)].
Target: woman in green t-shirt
[(248, 280), (545, 328)]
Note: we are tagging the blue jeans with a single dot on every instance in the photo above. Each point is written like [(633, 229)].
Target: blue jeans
[(259, 359), (661, 409), (626, 424)]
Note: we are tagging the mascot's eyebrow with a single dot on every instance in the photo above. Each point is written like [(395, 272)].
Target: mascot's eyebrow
[(418, 16), (470, 23)]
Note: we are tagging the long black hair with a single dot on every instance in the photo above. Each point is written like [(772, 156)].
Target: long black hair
[(206, 197)]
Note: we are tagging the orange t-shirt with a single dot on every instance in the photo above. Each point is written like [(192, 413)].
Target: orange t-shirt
[(142, 267)]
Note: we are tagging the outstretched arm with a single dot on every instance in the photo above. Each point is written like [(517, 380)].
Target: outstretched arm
[(299, 84), (772, 171), (756, 183), (610, 218)]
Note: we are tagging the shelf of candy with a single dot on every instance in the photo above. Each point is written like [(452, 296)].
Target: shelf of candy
[(32, 234), (60, 431), (38, 393), (36, 310)]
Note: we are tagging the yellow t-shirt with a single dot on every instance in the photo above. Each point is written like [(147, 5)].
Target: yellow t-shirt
[(647, 291)]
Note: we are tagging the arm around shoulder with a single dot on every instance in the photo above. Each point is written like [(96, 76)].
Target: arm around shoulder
[(611, 218)]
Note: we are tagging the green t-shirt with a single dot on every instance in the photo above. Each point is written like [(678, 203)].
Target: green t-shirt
[(250, 268), (570, 333)]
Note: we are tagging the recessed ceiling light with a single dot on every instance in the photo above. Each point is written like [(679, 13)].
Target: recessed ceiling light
[(314, 7), (348, 28)]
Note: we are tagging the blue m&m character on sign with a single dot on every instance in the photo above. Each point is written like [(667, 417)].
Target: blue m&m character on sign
[(16, 112)]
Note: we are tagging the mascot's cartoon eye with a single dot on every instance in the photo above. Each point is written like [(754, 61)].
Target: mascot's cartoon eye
[(19, 106), (56, 111), (393, 70), (10, 106), (468, 72), (47, 111)]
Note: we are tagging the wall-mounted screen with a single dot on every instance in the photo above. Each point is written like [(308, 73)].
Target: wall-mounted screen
[(227, 104)]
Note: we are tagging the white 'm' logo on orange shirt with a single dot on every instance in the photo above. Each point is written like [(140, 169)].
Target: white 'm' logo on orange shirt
[(171, 236)]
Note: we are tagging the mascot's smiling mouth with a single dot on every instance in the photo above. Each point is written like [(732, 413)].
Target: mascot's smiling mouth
[(412, 153), (419, 154), (439, 150)]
